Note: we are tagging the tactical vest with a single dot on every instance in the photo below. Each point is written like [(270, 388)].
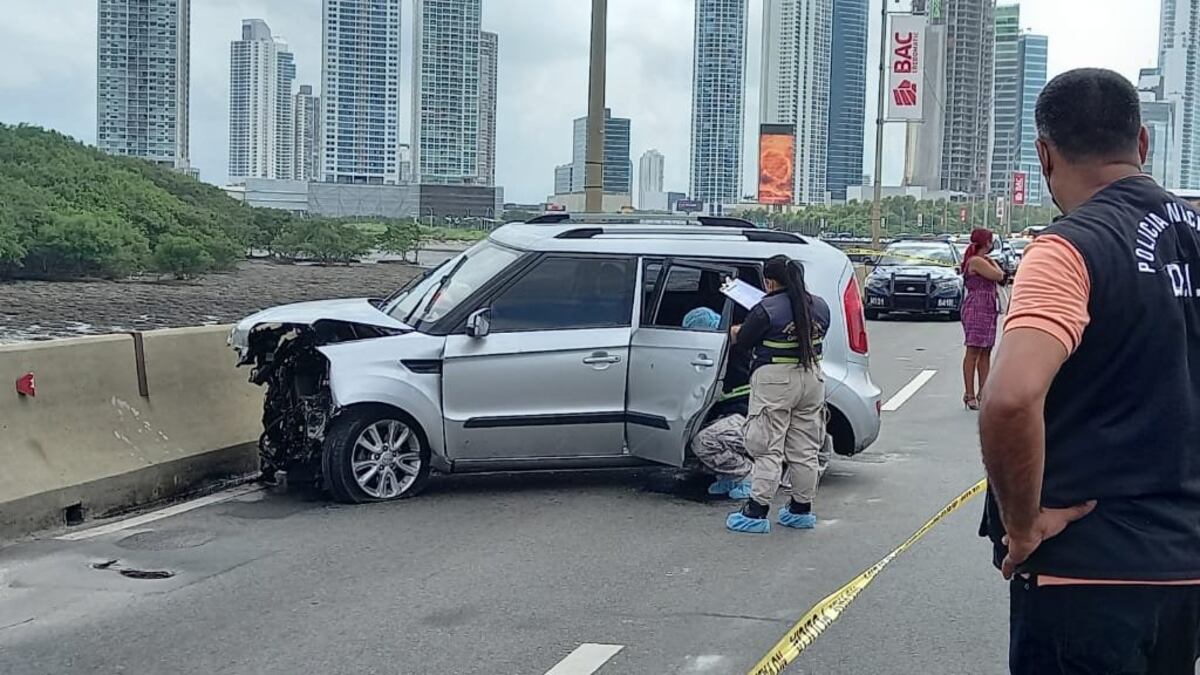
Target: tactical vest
[(779, 344)]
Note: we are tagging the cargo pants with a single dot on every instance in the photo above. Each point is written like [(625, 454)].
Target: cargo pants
[(786, 424)]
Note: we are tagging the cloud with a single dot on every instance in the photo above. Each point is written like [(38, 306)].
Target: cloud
[(48, 50)]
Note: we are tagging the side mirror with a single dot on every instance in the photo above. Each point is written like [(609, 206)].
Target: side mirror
[(479, 324)]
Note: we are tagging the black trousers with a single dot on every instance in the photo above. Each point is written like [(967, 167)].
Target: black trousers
[(1103, 630)]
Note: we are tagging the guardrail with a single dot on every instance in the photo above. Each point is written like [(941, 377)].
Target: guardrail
[(118, 421)]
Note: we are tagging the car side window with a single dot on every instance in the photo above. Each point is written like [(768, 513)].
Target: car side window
[(687, 289), (564, 293)]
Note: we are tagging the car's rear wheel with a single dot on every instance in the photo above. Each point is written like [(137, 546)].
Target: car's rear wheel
[(375, 454)]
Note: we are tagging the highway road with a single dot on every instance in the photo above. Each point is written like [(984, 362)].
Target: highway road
[(532, 574)]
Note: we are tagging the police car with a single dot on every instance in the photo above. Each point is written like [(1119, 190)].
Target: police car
[(915, 276)]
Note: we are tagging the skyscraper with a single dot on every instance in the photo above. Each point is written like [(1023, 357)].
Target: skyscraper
[(970, 48), (563, 179), (1158, 116), (360, 75), (1033, 57), (1178, 56), (446, 91), (650, 181), (847, 96), (489, 62), (261, 105), (142, 71), (718, 101), (795, 85), (307, 144), (618, 167), (1006, 118)]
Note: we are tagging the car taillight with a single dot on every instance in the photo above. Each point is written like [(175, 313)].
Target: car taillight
[(856, 324)]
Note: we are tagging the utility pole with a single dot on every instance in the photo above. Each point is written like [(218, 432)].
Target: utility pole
[(593, 172), (877, 203)]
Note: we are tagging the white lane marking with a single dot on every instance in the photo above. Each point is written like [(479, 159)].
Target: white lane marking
[(138, 521), (585, 660), (908, 391)]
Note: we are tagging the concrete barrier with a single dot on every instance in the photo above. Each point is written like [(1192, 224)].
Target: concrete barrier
[(115, 425)]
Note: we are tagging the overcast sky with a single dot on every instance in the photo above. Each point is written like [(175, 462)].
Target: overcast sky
[(48, 77)]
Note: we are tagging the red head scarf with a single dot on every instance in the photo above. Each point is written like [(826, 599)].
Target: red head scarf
[(981, 243)]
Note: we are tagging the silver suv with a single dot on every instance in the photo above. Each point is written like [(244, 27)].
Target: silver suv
[(554, 344)]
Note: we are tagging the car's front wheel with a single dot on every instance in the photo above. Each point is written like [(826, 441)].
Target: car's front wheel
[(871, 314), (374, 454)]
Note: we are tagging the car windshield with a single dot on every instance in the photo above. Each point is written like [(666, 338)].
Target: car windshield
[(440, 292), (917, 254), (1019, 245)]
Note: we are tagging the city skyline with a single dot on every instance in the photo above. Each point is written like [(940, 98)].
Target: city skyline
[(55, 78)]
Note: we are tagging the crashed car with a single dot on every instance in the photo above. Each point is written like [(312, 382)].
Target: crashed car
[(553, 344), (917, 276)]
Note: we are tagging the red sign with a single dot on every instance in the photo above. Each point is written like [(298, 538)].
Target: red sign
[(905, 94), (26, 386), (1019, 189), (962, 214)]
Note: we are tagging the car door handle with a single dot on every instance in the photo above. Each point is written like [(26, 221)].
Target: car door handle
[(600, 358), (703, 361)]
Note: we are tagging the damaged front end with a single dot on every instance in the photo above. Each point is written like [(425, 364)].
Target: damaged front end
[(298, 405)]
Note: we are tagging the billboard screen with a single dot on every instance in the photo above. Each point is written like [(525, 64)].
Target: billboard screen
[(906, 70), (776, 164)]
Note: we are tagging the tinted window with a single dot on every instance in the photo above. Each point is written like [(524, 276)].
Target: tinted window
[(918, 254), (566, 293)]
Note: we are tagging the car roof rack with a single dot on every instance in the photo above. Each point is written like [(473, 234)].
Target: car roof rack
[(750, 234), (642, 219)]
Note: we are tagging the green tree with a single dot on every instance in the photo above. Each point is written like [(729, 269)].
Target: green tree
[(88, 245), (401, 238), (323, 240), (182, 256)]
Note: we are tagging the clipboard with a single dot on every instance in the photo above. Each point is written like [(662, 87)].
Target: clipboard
[(742, 293)]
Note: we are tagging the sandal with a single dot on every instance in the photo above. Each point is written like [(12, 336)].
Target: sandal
[(971, 402)]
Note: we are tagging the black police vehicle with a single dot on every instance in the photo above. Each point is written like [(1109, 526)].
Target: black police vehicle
[(915, 276)]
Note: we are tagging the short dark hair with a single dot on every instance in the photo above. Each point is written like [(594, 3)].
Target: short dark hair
[(1090, 113)]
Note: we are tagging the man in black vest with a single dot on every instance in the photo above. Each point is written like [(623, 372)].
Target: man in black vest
[(1091, 419)]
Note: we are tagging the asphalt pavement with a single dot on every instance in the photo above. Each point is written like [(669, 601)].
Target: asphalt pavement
[(511, 574)]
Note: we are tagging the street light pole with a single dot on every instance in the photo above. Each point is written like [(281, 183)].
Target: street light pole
[(593, 172), (877, 203)]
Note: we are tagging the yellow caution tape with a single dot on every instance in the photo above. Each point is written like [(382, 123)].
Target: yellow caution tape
[(914, 258), (824, 613)]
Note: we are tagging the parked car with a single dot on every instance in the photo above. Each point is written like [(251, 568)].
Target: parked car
[(1006, 256), (919, 277), (552, 344)]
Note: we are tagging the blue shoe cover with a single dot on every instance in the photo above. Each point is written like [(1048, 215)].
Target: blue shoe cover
[(739, 522), (741, 489), (799, 521), (722, 486)]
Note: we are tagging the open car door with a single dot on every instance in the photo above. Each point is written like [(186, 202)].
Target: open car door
[(675, 373)]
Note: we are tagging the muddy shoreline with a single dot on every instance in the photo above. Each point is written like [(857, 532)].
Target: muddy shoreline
[(45, 310)]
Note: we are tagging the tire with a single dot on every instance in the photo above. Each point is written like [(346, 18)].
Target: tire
[(956, 315), (871, 314), (394, 475)]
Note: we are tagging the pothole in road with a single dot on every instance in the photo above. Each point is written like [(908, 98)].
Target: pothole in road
[(132, 573)]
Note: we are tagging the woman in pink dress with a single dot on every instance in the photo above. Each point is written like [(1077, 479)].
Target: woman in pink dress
[(980, 312)]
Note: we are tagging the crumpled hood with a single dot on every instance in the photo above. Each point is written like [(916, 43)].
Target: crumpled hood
[(356, 310)]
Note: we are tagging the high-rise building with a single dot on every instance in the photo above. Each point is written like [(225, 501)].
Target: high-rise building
[(847, 96), (718, 101), (563, 179), (307, 144), (1158, 116), (970, 48), (1178, 57), (1021, 70), (142, 70), (795, 85), (360, 75), (650, 181), (406, 163), (262, 138), (489, 63), (446, 91), (618, 167)]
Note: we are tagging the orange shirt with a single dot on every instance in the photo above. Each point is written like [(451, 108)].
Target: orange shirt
[(1051, 294)]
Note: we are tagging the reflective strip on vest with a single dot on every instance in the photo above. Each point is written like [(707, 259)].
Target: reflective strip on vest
[(736, 393), (775, 344)]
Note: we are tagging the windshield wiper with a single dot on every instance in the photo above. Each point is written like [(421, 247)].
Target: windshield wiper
[(434, 292)]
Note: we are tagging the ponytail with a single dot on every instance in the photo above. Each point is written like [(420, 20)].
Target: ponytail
[(790, 274)]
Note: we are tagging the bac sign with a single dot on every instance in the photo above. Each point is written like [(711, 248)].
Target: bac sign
[(1019, 190), (906, 71)]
